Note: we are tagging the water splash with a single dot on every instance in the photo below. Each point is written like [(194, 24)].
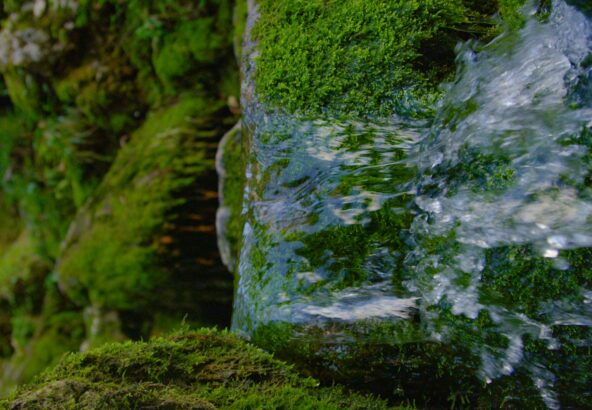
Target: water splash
[(506, 164), (455, 220)]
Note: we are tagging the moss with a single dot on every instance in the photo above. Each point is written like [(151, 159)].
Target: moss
[(54, 336), (39, 336), (518, 276), (582, 5), (24, 93), (64, 115), (239, 22), (102, 89), (192, 44), (344, 251), (118, 254), (186, 43), (10, 224), (22, 271), (364, 58), (394, 360), (510, 12), (156, 163), (203, 369)]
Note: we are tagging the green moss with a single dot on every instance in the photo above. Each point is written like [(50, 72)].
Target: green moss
[(24, 93), (204, 369), (114, 260), (239, 22), (40, 335), (583, 5), (343, 251), (54, 336), (510, 12), (22, 271), (185, 43), (365, 58), (520, 278), (10, 224), (102, 91), (11, 133), (63, 119), (192, 44), (393, 359)]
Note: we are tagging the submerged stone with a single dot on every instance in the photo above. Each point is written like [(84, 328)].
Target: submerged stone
[(441, 257)]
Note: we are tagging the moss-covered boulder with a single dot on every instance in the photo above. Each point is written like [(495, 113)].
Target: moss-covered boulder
[(146, 240), (94, 96), (382, 242), (206, 369), (365, 58)]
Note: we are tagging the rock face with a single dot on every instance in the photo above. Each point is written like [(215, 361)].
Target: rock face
[(421, 249), (110, 115), (157, 202), (188, 370)]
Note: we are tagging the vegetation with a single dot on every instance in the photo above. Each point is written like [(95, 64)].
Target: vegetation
[(110, 113), (363, 58), (206, 369), (355, 62)]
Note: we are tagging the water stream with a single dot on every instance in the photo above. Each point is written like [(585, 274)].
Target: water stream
[(475, 225)]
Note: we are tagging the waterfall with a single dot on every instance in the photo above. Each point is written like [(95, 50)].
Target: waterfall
[(471, 230)]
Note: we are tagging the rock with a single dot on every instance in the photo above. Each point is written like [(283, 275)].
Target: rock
[(361, 260), (188, 370), (83, 85), (150, 244)]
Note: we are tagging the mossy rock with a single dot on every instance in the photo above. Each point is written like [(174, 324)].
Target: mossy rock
[(339, 264), (78, 86), (205, 369), (363, 58), (131, 247)]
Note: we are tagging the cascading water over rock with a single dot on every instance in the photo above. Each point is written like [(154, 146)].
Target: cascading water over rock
[(453, 250)]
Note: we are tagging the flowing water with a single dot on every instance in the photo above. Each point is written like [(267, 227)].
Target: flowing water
[(475, 225)]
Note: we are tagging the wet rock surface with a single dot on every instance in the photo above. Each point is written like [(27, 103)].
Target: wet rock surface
[(394, 252)]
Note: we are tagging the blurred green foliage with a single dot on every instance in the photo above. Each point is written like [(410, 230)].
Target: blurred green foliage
[(84, 86)]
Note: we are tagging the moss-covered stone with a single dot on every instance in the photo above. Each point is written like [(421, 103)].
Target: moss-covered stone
[(365, 58), (204, 369), (36, 331), (345, 266), (80, 80), (131, 247)]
